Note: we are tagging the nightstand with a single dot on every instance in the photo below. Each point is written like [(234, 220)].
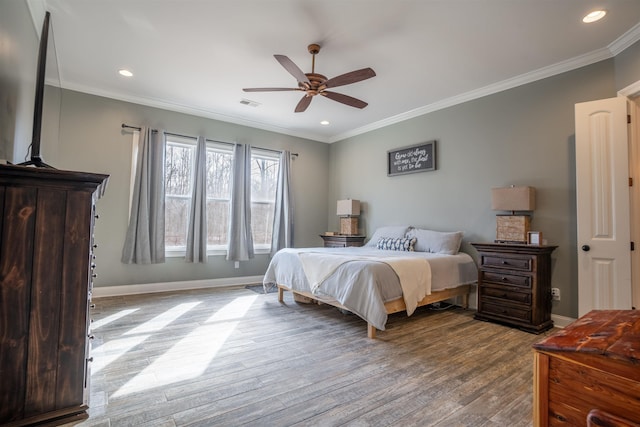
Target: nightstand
[(342, 240), (514, 285)]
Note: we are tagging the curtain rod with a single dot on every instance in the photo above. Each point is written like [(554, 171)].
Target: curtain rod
[(126, 126)]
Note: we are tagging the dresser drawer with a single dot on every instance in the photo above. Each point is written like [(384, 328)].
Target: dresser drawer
[(521, 264), (506, 279), (342, 241), (500, 309), (505, 293), (584, 388), (335, 244)]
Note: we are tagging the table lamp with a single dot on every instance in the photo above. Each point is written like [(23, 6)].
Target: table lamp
[(348, 211), (513, 227)]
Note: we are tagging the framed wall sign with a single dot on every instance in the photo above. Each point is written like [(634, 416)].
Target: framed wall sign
[(415, 158)]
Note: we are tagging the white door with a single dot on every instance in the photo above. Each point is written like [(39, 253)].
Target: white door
[(602, 193)]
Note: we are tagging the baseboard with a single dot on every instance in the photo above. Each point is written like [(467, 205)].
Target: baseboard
[(147, 288), (561, 321)]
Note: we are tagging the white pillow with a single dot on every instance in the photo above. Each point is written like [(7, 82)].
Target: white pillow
[(436, 241), (393, 231)]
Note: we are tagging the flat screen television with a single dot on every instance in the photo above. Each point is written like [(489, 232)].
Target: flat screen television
[(36, 159)]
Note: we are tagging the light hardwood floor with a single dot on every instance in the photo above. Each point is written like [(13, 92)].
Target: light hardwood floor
[(233, 357)]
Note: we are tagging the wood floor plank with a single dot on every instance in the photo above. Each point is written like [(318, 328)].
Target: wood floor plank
[(233, 357)]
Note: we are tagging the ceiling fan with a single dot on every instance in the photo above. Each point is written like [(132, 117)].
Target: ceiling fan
[(316, 84)]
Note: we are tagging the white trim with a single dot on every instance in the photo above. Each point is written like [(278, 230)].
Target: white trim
[(630, 91), (148, 288), (561, 321), (194, 111), (625, 40), (522, 79)]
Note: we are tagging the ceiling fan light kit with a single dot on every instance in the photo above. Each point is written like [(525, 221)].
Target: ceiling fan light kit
[(316, 84)]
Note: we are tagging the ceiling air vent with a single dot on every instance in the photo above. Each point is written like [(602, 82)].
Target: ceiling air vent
[(249, 102)]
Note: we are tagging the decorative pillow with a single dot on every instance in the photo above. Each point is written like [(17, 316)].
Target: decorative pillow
[(396, 244), (395, 231), (436, 241)]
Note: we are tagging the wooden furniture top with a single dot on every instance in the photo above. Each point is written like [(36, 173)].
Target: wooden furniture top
[(513, 248), (54, 178), (611, 333)]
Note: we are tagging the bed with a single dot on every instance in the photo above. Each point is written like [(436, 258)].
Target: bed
[(399, 269)]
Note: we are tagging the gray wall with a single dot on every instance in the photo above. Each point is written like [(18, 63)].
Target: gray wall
[(17, 79), (91, 139), (522, 136), (627, 65)]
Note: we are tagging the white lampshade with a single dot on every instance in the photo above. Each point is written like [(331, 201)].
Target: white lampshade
[(513, 199), (348, 207)]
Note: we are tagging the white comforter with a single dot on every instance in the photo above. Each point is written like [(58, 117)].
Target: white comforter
[(414, 274)]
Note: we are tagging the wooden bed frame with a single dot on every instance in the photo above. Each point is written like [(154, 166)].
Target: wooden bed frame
[(394, 306)]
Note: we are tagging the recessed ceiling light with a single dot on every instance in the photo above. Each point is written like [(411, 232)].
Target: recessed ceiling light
[(325, 123), (125, 73), (594, 16)]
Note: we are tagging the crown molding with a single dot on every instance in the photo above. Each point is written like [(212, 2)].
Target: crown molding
[(539, 74), (625, 40), (631, 91), (179, 108)]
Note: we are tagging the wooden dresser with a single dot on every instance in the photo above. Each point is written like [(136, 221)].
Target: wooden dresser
[(342, 240), (46, 263), (591, 366), (514, 285)]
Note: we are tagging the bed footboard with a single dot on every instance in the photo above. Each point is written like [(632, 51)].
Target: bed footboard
[(394, 306)]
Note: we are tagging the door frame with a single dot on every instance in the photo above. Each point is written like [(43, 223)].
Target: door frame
[(632, 92)]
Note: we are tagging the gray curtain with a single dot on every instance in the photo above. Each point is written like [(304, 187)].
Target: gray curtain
[(240, 236), (144, 243), (282, 236), (197, 232)]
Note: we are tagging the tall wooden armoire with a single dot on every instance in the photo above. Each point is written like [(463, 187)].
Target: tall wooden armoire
[(46, 273)]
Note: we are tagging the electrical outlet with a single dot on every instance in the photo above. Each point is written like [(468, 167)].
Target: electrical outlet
[(555, 294)]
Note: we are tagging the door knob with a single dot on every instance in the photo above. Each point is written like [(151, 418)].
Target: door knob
[(586, 248)]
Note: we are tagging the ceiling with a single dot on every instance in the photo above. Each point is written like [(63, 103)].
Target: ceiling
[(195, 56)]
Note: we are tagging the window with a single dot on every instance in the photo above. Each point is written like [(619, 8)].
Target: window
[(264, 181), (178, 182), (180, 161)]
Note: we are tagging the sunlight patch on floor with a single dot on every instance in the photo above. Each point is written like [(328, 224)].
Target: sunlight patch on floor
[(236, 309), (109, 319), (114, 349), (159, 322), (190, 357)]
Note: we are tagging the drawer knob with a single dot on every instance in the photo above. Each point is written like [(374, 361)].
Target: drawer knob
[(586, 248), (504, 262), (504, 279)]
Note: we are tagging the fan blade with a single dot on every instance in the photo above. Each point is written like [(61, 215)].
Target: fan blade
[(292, 68), (345, 99), (352, 77), (268, 89), (303, 104)]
